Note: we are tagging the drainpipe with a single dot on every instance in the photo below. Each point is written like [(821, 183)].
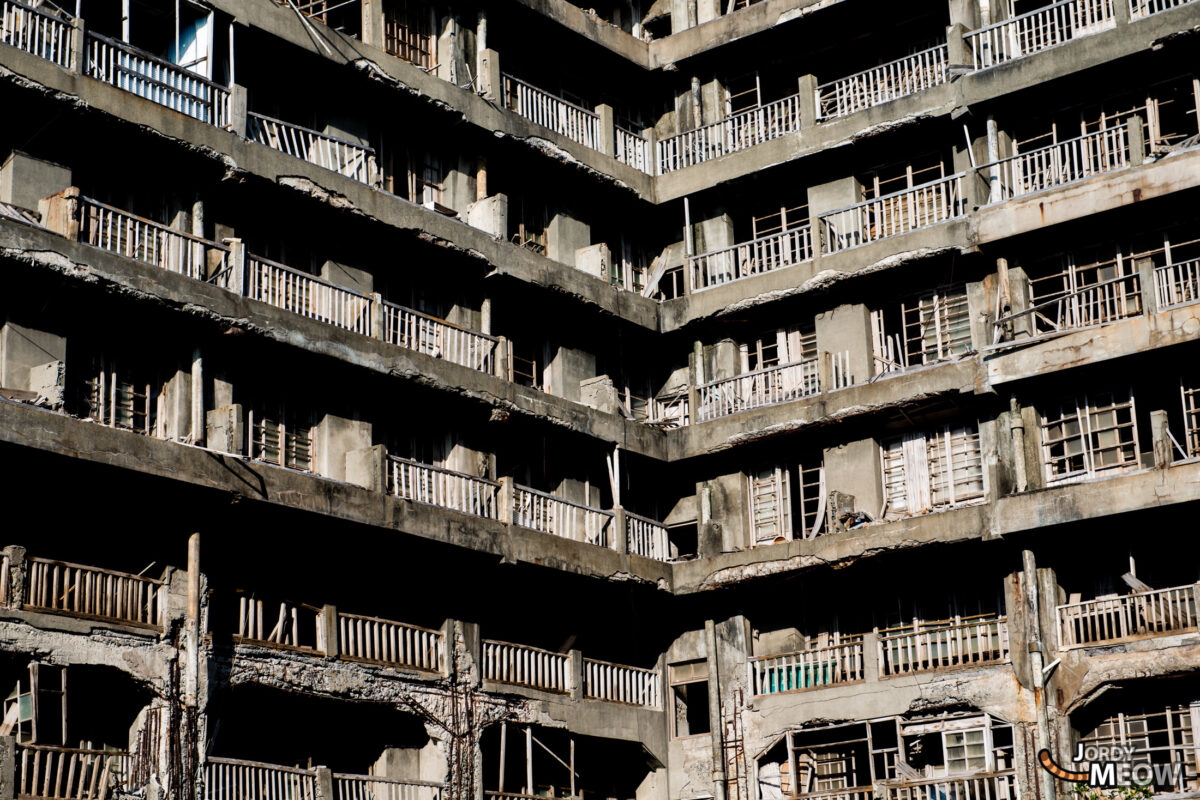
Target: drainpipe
[(993, 146), (697, 104), (1036, 664), (1017, 423), (714, 711)]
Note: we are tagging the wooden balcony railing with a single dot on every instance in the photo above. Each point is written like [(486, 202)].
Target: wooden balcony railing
[(233, 779), (1133, 616), (618, 683), (1096, 304), (292, 290), (995, 786), (563, 117), (737, 132), (739, 261), (807, 669), (549, 514), (877, 85), (1144, 8), (633, 150), (1039, 30), (526, 666), (383, 641), (374, 787), (438, 338), (977, 642), (762, 387), (80, 591), (646, 537), (46, 772), (129, 235), (437, 486), (1177, 284), (36, 32), (353, 160)]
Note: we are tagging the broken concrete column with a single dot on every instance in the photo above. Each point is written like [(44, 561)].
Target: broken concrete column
[(177, 400), (367, 468), (854, 468), (33, 360), (975, 186), (490, 215), (965, 13), (576, 657), (328, 622), (472, 646), (372, 23), (447, 48), (239, 110), (491, 84), (225, 429), (358, 280), (607, 143), (1144, 267), (600, 394), (25, 180), (981, 299), (870, 651), (958, 49), (60, 212), (564, 235), (568, 369), (334, 438), (724, 361), (808, 101), (844, 337), (16, 576), (620, 530), (714, 233), (989, 445), (832, 196), (595, 260), (505, 504), (324, 784), (1161, 437), (1136, 132)]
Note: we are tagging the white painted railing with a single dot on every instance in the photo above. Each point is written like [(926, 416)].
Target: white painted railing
[(1097, 304), (977, 642), (48, 772), (35, 31), (807, 669), (1039, 30), (386, 642), (373, 787), (353, 160), (162, 82), (526, 666), (645, 537), (760, 255), (145, 240), (568, 519), (539, 106), (283, 287), (737, 132), (1113, 619), (438, 338), (889, 81), (997, 786), (1177, 284), (92, 592), (1144, 8), (437, 486), (763, 387), (234, 779), (633, 150), (840, 375), (1057, 164), (893, 214), (618, 683)]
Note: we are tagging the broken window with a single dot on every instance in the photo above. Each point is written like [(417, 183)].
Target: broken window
[(281, 435), (956, 744), (426, 179), (1090, 435), (689, 698), (408, 31), (1161, 735), (780, 494), (121, 397), (932, 471), (528, 222), (923, 329), (1079, 290)]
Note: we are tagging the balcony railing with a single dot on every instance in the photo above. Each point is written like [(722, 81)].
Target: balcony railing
[(1039, 30), (633, 150), (563, 117), (526, 666), (668, 410), (159, 81), (849, 793), (437, 486), (1058, 164), (154, 243), (737, 132), (618, 683), (47, 772), (233, 779), (977, 642), (296, 627), (1144, 8), (763, 387), (1134, 616), (35, 31), (807, 669), (383, 641), (566, 518), (645, 537), (355, 161), (893, 214), (1096, 304), (374, 787), (997, 786), (292, 290), (438, 338), (1177, 284), (760, 255), (889, 81), (94, 593)]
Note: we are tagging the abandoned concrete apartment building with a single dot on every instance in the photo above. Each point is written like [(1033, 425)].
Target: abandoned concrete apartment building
[(747, 400)]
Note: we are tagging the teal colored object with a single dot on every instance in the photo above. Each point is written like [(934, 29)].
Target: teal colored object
[(800, 676)]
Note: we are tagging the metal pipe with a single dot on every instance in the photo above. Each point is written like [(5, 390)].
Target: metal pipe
[(1036, 658), (1017, 425)]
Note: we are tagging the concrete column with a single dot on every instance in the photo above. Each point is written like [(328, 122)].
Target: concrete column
[(871, 657), (329, 630), (506, 500), (237, 266), (564, 235), (683, 15), (334, 439), (367, 467), (989, 445), (808, 101), (830, 197), (357, 280), (693, 387), (1160, 436), (958, 49), (600, 393), (975, 186), (491, 85), (239, 119), (60, 212), (1035, 471), (1137, 136), (8, 767), (324, 783), (715, 725), (845, 329), (576, 674), (25, 180), (501, 360), (854, 468), (448, 55), (459, 185), (490, 215), (378, 329), (226, 429), (567, 369), (724, 360), (713, 233), (608, 132), (1145, 271), (981, 303), (17, 571), (595, 260), (620, 528), (965, 13), (651, 137), (372, 23), (472, 649), (1121, 12), (78, 44), (32, 359), (707, 10), (177, 397)]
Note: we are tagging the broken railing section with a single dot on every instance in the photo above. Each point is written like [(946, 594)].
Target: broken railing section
[(877, 85), (335, 634), (375, 787), (570, 674), (237, 779), (355, 161), (1140, 615), (996, 786), (48, 772)]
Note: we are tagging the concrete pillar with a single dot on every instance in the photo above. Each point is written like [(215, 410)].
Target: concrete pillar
[(830, 197), (724, 360), (808, 101), (226, 429), (505, 506), (989, 446), (620, 528), (32, 359), (60, 212), (608, 132), (472, 650), (236, 279), (358, 280), (324, 788), (372, 23), (501, 359), (958, 49), (378, 329), (568, 369), (1144, 267), (713, 233), (565, 235), (715, 723), (1160, 436), (595, 260), (78, 43), (329, 630), (855, 468), (1137, 139), (490, 215), (367, 467), (177, 399), (25, 180), (845, 330), (1121, 12), (334, 439), (981, 303), (576, 674), (1035, 471), (600, 394), (871, 657), (975, 185), (8, 767), (965, 13), (707, 10), (458, 187), (239, 110), (448, 56), (491, 85), (683, 15)]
